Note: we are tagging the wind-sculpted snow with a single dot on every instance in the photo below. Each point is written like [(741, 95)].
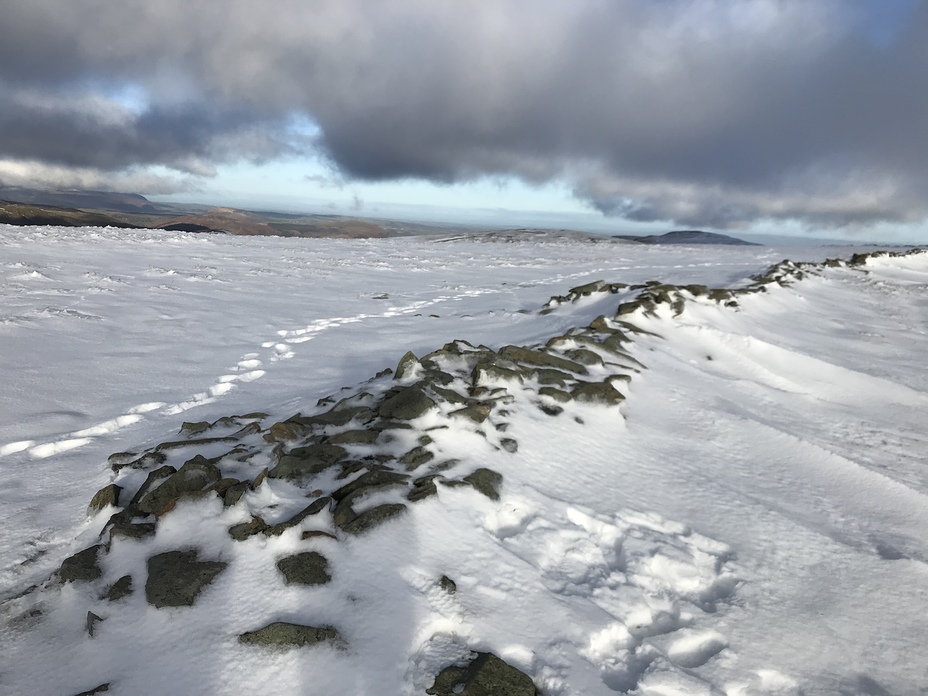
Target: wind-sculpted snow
[(641, 486)]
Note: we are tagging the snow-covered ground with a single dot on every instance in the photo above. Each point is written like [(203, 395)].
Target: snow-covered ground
[(752, 519)]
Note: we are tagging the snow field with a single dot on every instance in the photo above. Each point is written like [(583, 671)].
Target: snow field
[(750, 521)]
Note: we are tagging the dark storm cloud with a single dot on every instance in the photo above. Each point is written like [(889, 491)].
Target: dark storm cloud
[(702, 112)]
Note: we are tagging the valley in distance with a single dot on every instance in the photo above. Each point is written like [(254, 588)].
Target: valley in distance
[(22, 206)]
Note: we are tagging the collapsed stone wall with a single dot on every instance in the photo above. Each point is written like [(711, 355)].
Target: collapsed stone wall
[(383, 438)]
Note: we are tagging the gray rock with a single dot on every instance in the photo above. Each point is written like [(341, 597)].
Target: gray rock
[(176, 578), (554, 393), (195, 475), (223, 485), (314, 508), (449, 395), (288, 635), (286, 431), (355, 437), (343, 514), (306, 461), (486, 481), (150, 482), (234, 493), (102, 688), (245, 530), (509, 444), (477, 412), (146, 461), (590, 288), (131, 530), (598, 392), (422, 488), (307, 568), (540, 358), (338, 416), (372, 480), (92, 621), (447, 584), (369, 519), (488, 372), (407, 366), (584, 356), (82, 566), (176, 444), (119, 589), (416, 457), (406, 404), (108, 495), (194, 428), (549, 376), (487, 675)]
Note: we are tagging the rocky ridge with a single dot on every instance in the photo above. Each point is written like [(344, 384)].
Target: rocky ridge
[(367, 453)]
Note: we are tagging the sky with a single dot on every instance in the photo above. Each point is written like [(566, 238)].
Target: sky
[(795, 116)]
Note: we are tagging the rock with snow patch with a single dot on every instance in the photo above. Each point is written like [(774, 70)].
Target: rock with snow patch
[(82, 566), (108, 495), (486, 675), (119, 589)]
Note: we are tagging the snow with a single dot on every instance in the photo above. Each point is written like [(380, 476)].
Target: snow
[(751, 520)]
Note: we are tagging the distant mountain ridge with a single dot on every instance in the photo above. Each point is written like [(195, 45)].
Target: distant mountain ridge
[(687, 237)]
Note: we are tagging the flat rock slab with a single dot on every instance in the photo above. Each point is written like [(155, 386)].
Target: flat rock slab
[(176, 578), (287, 635), (307, 568), (487, 675)]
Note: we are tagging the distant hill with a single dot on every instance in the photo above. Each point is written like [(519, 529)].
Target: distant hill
[(97, 200), (688, 237), (25, 214)]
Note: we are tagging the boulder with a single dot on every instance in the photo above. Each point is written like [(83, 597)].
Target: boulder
[(288, 635), (119, 589), (422, 488), (487, 675), (307, 568), (176, 578), (245, 530), (486, 481), (407, 367), (306, 461), (598, 392), (369, 519), (406, 404), (416, 457), (314, 508), (286, 431), (539, 358), (355, 437), (82, 566), (195, 475), (108, 495), (477, 412)]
